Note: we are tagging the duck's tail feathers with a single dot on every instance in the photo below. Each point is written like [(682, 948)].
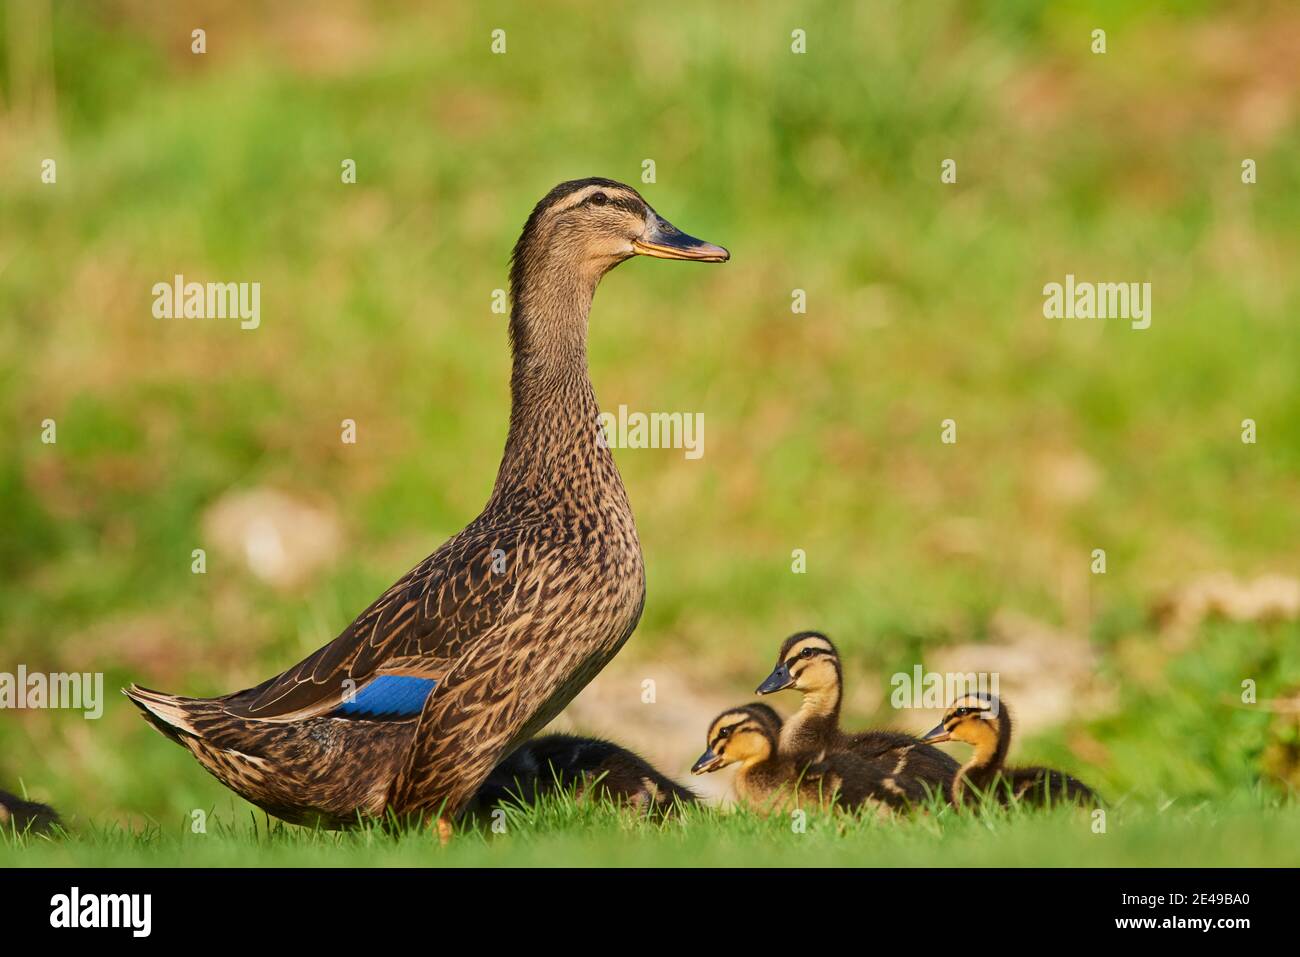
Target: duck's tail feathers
[(169, 713)]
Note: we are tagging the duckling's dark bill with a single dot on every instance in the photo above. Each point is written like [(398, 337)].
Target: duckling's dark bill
[(937, 735), (778, 680), (708, 761), (663, 240)]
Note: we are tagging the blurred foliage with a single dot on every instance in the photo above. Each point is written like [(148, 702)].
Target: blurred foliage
[(819, 172)]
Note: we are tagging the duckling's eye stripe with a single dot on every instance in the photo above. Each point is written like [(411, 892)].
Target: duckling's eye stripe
[(816, 652), (719, 736)]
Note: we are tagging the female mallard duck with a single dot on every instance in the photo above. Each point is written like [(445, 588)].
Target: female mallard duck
[(586, 766), (481, 644), (982, 720), (769, 778), (808, 662)]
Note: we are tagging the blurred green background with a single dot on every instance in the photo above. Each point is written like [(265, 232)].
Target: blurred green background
[(820, 172)]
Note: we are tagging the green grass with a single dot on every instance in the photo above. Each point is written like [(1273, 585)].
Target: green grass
[(561, 832), (819, 172)]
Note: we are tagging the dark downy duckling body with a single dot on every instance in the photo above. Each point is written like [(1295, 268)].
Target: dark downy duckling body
[(480, 645), (809, 663), (982, 721), (769, 779), (26, 816), (586, 766)]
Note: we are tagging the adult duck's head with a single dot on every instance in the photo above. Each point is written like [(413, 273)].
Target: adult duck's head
[(584, 228)]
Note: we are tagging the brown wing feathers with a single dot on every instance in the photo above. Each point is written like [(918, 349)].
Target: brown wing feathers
[(417, 627)]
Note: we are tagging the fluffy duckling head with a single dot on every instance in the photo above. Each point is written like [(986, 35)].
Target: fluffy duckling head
[(807, 662), (589, 226), (972, 719), (747, 734)]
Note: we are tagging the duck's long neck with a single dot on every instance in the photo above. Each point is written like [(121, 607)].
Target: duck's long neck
[(553, 410)]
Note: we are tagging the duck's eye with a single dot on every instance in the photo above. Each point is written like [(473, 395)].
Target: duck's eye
[(725, 732), (806, 653), (600, 199)]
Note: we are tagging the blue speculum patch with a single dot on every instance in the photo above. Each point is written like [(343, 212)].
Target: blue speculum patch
[(388, 696)]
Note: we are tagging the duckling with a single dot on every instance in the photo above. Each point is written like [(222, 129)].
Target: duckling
[(808, 662), (409, 709), (29, 816), (563, 762), (769, 778), (983, 721)]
